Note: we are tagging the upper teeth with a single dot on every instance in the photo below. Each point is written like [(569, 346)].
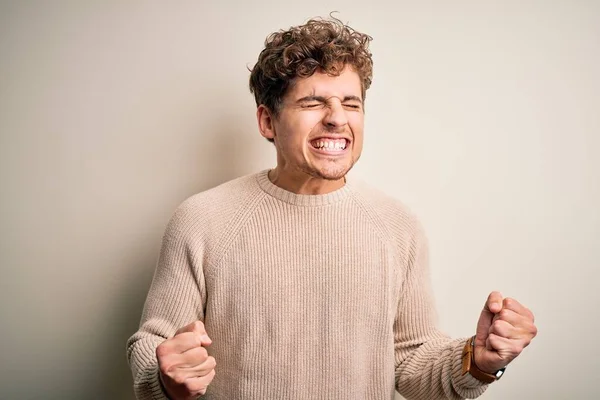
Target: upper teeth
[(331, 144)]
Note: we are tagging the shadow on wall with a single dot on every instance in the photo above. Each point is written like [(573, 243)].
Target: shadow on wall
[(216, 164)]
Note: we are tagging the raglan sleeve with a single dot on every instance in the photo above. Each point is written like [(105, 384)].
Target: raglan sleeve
[(175, 299), (427, 362)]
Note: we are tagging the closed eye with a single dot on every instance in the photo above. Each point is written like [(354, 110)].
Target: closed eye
[(352, 106), (311, 105)]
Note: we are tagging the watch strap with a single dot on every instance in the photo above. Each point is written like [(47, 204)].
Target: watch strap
[(468, 364)]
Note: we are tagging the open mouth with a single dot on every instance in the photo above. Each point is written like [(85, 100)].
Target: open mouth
[(330, 145)]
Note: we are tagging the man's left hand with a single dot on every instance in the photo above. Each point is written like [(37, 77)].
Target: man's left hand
[(504, 329)]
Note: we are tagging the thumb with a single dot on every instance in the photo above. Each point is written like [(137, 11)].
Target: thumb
[(492, 306), (197, 327)]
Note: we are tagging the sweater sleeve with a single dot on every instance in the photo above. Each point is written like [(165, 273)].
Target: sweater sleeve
[(428, 363), (175, 299)]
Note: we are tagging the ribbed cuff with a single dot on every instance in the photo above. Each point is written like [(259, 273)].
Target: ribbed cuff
[(466, 385), (150, 387)]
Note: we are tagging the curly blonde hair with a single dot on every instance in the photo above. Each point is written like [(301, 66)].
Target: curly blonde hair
[(325, 45)]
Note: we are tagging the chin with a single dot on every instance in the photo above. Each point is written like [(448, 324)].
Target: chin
[(331, 173)]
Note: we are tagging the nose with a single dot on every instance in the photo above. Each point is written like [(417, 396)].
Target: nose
[(335, 115)]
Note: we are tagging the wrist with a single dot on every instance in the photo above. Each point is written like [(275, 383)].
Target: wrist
[(469, 365), (478, 362)]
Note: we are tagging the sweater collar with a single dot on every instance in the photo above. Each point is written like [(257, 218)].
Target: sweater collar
[(307, 200)]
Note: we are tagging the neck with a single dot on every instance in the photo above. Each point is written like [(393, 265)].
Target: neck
[(301, 183)]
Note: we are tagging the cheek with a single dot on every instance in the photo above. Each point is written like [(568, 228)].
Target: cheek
[(357, 127), (293, 135), (357, 148), (302, 124)]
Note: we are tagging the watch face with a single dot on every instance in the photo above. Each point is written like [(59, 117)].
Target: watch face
[(500, 373)]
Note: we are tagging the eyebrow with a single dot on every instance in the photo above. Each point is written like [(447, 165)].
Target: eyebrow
[(323, 99)]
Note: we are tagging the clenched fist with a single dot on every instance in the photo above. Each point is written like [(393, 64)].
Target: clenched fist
[(184, 365), (504, 329)]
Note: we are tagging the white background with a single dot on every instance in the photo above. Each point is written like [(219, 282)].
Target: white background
[(483, 117)]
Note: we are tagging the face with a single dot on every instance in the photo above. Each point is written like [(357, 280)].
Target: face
[(319, 130)]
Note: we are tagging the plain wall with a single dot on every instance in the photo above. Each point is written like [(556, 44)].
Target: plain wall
[(483, 117)]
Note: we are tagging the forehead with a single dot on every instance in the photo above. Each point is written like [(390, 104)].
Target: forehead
[(320, 84)]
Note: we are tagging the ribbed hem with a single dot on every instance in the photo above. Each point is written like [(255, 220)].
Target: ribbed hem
[(306, 200)]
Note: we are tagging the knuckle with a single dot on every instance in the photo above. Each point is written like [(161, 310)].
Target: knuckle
[(204, 383), (212, 363), (534, 330), (198, 326), (199, 386), (519, 348), (202, 353), (165, 368), (193, 386), (497, 325), (179, 379), (509, 302), (197, 340), (162, 350)]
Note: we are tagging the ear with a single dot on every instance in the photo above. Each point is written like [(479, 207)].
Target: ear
[(265, 121)]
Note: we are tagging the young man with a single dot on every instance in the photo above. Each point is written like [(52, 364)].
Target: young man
[(296, 284)]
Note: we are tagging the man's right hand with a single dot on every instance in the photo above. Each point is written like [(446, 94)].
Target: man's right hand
[(185, 367)]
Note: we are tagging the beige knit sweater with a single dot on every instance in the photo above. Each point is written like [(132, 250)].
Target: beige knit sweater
[(304, 297)]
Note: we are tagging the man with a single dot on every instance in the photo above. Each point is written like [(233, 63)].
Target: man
[(296, 284)]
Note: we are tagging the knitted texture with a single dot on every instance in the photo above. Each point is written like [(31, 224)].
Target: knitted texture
[(304, 297)]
